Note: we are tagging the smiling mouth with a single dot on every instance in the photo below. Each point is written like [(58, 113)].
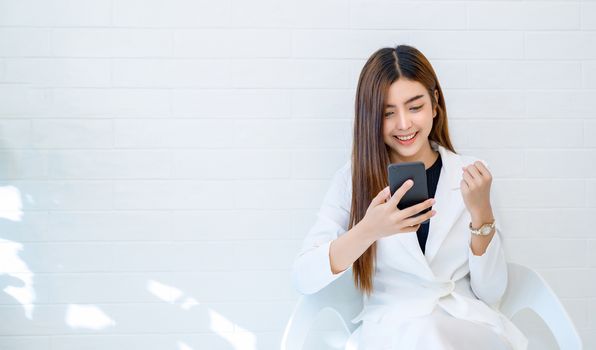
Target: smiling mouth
[(407, 139)]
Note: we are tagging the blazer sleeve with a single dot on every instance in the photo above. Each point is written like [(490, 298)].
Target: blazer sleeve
[(488, 272), (312, 268)]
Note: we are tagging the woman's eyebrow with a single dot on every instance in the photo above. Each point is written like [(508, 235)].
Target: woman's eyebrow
[(408, 101)]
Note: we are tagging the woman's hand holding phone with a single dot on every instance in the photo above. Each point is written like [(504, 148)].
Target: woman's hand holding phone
[(384, 219)]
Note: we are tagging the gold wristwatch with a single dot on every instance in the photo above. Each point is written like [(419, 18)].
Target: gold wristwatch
[(483, 230)]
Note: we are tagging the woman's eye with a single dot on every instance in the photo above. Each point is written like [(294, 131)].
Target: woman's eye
[(414, 109)]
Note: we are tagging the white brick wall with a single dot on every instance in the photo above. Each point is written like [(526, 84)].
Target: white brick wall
[(169, 156)]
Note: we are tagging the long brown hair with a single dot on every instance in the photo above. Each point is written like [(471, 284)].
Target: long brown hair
[(370, 156)]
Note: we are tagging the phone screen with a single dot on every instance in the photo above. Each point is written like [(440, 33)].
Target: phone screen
[(398, 173)]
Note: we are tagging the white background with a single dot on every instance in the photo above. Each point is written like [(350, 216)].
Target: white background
[(161, 161)]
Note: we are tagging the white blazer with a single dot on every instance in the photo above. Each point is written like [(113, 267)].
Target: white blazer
[(408, 283)]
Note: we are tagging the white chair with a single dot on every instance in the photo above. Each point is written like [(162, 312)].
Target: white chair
[(526, 289)]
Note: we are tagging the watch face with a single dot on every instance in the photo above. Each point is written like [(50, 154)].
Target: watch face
[(486, 230)]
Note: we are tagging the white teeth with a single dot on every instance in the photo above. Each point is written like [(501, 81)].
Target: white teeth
[(406, 138)]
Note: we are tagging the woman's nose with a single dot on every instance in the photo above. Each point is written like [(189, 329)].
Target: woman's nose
[(403, 122)]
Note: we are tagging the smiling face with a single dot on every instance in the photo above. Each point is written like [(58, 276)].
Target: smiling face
[(409, 111)]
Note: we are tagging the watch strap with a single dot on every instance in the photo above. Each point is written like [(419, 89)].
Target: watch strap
[(484, 228)]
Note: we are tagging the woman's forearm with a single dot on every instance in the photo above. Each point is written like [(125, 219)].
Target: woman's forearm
[(348, 247)]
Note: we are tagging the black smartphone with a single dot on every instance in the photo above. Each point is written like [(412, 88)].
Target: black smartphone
[(398, 173)]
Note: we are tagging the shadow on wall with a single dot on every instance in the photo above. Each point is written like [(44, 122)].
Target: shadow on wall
[(16, 279), (47, 308)]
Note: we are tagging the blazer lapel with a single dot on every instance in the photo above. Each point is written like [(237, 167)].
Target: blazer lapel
[(449, 203), (410, 242)]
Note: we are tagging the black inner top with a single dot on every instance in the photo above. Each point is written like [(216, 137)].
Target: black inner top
[(432, 179)]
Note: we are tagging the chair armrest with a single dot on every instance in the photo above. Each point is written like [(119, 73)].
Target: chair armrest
[(340, 297), (527, 289), (298, 326)]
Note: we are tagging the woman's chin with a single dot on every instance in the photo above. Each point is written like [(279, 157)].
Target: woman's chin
[(409, 153)]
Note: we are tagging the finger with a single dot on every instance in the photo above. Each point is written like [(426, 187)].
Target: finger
[(466, 170), (476, 176), (464, 186), (415, 209), (419, 219), (401, 191), (472, 169), (483, 169), (411, 228), (468, 179), (380, 197)]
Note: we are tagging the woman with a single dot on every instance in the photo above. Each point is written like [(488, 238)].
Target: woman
[(425, 286)]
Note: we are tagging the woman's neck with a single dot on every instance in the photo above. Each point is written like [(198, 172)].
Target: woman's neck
[(427, 155)]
